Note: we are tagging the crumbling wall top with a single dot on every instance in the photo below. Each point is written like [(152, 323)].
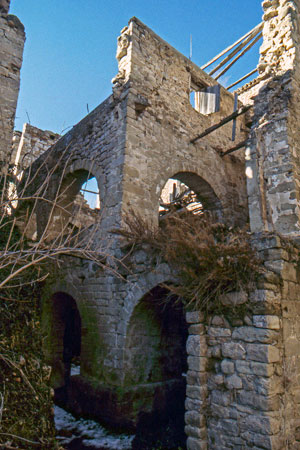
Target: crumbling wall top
[(137, 29)]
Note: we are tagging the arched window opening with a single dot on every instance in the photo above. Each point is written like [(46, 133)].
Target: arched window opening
[(80, 194), (156, 361), (75, 206), (187, 191), (90, 192)]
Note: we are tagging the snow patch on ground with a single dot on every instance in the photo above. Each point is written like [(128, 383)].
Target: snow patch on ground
[(92, 434)]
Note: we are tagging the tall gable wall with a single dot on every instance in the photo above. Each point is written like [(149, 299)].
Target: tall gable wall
[(161, 121)]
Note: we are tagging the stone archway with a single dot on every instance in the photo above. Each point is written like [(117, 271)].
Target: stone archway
[(155, 364), (63, 340)]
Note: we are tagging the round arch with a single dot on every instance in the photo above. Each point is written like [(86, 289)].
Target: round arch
[(53, 343), (146, 282), (205, 173), (71, 210), (92, 168), (203, 193), (155, 361)]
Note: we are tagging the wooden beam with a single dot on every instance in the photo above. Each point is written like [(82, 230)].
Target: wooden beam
[(223, 52), (236, 50), (239, 56), (234, 149), (243, 78), (227, 119)]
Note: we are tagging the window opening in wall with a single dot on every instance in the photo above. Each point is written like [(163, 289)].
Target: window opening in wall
[(187, 191), (90, 192), (79, 200), (177, 196), (76, 206), (205, 100)]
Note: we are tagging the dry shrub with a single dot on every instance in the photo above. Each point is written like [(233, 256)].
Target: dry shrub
[(138, 230), (210, 258)]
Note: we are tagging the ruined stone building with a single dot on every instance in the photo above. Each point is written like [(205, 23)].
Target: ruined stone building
[(242, 383)]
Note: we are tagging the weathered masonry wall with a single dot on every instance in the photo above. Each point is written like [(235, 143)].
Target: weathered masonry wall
[(29, 144), (161, 121), (242, 380), (273, 151), (133, 143), (140, 136), (95, 145), (11, 52)]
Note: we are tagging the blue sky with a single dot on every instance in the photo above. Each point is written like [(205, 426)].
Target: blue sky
[(69, 57)]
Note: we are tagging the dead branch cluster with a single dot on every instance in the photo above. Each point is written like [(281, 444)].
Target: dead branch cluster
[(26, 254), (40, 191), (209, 258)]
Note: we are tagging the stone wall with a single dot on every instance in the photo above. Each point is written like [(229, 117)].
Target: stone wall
[(243, 378), (11, 54), (243, 364), (161, 122), (95, 147), (133, 142), (30, 144), (272, 156)]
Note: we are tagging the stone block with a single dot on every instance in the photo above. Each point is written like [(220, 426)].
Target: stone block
[(195, 432), (196, 392), (215, 380), (216, 332), (196, 378), (192, 404), (243, 367), (196, 444), (196, 345), (260, 424), (234, 298), (194, 419), (233, 350), (194, 317), (198, 329), (260, 440), (229, 426), (253, 334), (198, 364), (221, 397), (262, 369), (227, 366), (262, 353), (233, 382), (270, 322), (259, 402), (220, 321)]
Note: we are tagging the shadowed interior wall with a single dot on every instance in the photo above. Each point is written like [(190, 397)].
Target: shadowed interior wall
[(63, 339), (156, 340)]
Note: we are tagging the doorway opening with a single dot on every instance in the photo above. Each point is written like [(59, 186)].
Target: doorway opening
[(156, 364)]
